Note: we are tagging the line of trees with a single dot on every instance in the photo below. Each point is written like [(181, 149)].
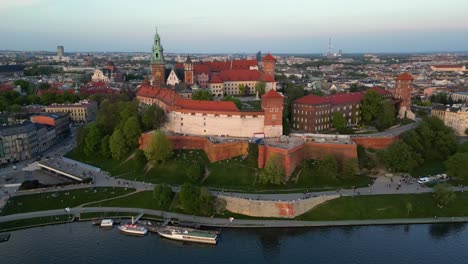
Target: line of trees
[(430, 141), (119, 124)]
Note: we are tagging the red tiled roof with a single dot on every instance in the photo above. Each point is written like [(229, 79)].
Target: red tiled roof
[(405, 77), (312, 100), (448, 66), (168, 96), (268, 57), (216, 79), (340, 98), (6, 87), (244, 75), (222, 106), (201, 68), (272, 94)]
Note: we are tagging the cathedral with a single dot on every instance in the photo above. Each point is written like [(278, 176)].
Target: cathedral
[(220, 77)]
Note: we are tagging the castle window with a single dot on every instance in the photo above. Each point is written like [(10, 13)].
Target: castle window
[(273, 117)]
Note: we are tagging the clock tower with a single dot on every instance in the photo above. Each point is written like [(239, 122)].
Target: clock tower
[(157, 61)]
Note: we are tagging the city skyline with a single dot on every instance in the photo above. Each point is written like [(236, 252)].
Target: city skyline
[(240, 27)]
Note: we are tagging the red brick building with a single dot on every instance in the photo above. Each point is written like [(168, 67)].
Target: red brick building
[(313, 113)]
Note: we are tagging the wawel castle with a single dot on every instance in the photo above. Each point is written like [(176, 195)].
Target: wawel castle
[(214, 118)]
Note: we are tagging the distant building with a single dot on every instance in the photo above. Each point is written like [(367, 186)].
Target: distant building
[(454, 117), (60, 121), (18, 142), (448, 68), (99, 76), (258, 56), (460, 97), (60, 51), (81, 112)]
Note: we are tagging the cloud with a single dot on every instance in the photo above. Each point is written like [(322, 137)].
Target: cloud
[(6, 4)]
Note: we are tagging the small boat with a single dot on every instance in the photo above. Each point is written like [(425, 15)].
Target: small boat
[(188, 234), (106, 223), (132, 229)]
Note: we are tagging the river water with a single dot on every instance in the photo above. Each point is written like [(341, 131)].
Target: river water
[(84, 243)]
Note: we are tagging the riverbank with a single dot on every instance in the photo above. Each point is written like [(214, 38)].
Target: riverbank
[(236, 223)]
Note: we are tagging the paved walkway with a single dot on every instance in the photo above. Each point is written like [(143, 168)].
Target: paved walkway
[(236, 223)]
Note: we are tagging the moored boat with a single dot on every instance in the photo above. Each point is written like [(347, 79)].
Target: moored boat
[(107, 223), (132, 229), (188, 234)]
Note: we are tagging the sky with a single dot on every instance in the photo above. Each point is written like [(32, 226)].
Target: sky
[(235, 26)]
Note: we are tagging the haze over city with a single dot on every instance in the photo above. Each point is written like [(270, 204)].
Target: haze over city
[(210, 26)]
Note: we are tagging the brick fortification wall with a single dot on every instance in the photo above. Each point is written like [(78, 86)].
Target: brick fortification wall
[(215, 152), (374, 142), (291, 158), (261, 208)]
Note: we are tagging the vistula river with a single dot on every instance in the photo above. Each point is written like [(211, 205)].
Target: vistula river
[(83, 243)]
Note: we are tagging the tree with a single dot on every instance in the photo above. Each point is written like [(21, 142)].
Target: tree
[(194, 172), (409, 208), (159, 148), (163, 195), (443, 194), (260, 87), (105, 149), (26, 86), (400, 157), (349, 168), (386, 117), (432, 139), (140, 158), (364, 160), (188, 198), (132, 131), (204, 95), (463, 147), (153, 117), (371, 104), (466, 131), (81, 137), (339, 122), (44, 86), (457, 166), (328, 167), (236, 101), (242, 89), (117, 145), (273, 171), (93, 140)]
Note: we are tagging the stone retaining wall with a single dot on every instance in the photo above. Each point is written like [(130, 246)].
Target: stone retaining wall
[(279, 209)]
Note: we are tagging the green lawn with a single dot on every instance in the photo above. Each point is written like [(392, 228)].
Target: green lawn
[(234, 174), (58, 200), (428, 168), (34, 222), (386, 207), (138, 200)]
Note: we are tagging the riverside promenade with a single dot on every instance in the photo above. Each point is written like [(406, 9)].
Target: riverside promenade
[(236, 223)]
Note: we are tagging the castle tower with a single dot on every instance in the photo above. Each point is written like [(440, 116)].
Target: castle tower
[(188, 71), (157, 61), (269, 65), (403, 88), (272, 105)]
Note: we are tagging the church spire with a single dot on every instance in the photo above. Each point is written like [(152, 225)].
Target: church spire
[(157, 54)]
